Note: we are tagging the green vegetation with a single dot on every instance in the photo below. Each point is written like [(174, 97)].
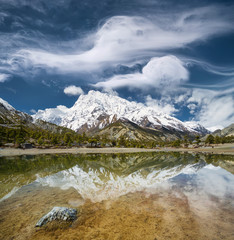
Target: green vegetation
[(64, 137), (38, 137), (209, 139)]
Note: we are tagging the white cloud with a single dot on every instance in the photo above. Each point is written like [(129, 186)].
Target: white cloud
[(218, 70), (122, 39), (4, 77), (33, 111), (216, 108), (219, 111), (214, 128), (163, 72), (73, 90), (160, 105), (192, 107), (182, 98), (54, 115), (110, 92)]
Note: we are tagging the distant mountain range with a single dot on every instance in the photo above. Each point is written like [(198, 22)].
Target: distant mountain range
[(12, 118), (106, 115), (226, 132), (101, 113)]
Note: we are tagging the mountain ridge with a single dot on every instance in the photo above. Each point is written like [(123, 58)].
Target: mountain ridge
[(10, 117), (133, 132), (96, 110), (227, 131)]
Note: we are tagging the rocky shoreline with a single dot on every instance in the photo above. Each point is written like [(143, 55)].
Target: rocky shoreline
[(217, 149)]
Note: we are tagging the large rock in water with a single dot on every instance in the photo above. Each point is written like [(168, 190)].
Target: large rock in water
[(58, 213)]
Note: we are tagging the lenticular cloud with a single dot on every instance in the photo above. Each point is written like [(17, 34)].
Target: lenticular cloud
[(158, 72), (165, 71)]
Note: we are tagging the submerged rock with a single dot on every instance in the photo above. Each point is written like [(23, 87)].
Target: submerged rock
[(58, 213)]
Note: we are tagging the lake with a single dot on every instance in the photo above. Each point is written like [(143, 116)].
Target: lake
[(119, 196)]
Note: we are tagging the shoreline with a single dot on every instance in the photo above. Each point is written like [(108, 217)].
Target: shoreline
[(218, 149)]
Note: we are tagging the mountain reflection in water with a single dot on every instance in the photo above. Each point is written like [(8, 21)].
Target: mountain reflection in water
[(101, 176), (119, 196)]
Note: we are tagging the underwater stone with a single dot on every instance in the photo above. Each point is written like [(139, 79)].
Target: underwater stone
[(58, 213)]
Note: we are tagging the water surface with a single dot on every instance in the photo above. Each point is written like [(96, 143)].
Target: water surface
[(119, 196)]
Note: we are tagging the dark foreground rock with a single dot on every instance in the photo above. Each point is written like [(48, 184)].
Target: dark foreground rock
[(58, 214)]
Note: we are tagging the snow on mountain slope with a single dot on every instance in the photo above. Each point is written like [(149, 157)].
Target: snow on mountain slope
[(6, 104), (9, 114), (197, 127), (97, 110), (53, 115)]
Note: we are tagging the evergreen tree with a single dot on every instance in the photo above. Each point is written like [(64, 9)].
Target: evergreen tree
[(186, 141), (21, 135), (40, 141), (54, 139), (67, 138), (209, 139), (217, 140), (176, 143), (197, 139), (122, 142)]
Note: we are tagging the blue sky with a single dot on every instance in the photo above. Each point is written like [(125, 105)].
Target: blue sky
[(177, 58)]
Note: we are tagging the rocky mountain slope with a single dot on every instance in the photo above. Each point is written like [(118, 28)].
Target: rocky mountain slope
[(95, 111), (9, 115), (197, 127), (11, 118), (131, 131), (226, 132)]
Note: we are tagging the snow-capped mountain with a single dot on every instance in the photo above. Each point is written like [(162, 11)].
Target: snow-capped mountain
[(5, 104), (10, 117), (9, 114), (197, 127), (96, 110)]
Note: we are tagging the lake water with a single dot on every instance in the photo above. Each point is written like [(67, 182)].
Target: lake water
[(119, 196)]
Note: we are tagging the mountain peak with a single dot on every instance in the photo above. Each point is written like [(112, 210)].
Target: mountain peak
[(197, 127), (6, 104), (96, 110)]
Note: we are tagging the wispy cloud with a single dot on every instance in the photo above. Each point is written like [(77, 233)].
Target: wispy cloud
[(212, 108), (36, 46), (4, 77), (124, 38), (161, 105), (227, 71)]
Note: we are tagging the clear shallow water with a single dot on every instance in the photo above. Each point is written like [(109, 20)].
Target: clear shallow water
[(119, 196)]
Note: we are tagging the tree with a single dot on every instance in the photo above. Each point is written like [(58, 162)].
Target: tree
[(217, 140), (12, 135), (186, 141), (197, 139), (222, 140), (176, 143), (54, 139), (113, 142), (92, 141), (122, 141), (40, 141), (210, 139), (67, 138), (84, 137), (21, 135)]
